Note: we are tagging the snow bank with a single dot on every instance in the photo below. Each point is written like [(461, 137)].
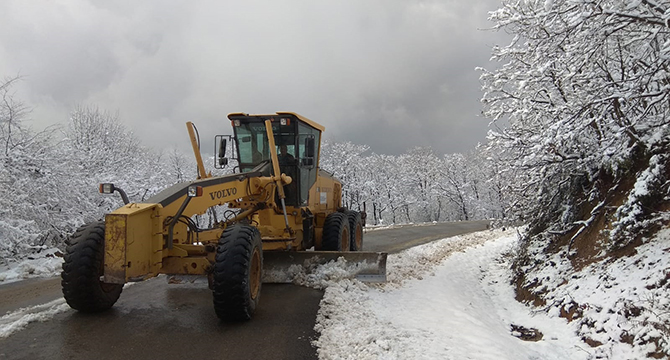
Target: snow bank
[(315, 274), (620, 306), (45, 264), (418, 261), (449, 299)]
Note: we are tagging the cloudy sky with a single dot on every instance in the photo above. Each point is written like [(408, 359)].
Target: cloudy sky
[(392, 74)]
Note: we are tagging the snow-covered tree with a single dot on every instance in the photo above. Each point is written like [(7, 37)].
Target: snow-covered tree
[(420, 170), (101, 140), (387, 189), (457, 186), (415, 186), (345, 160), (25, 177), (48, 186), (584, 90), (498, 179), (179, 165), (584, 86)]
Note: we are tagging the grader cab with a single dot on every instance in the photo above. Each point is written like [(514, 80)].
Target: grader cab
[(281, 210)]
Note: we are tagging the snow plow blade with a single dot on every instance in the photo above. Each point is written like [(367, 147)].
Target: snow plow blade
[(285, 267)]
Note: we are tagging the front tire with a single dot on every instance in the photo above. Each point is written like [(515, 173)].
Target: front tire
[(82, 270), (356, 230), (237, 273), (336, 232)]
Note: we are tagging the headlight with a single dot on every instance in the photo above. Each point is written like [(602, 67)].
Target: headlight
[(194, 191), (106, 188)]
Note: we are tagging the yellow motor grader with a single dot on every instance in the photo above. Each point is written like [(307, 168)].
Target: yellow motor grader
[(282, 211)]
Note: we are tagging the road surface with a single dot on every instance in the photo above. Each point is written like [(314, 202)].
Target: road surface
[(406, 236), (155, 320)]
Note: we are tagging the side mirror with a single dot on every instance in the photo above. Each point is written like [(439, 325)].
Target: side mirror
[(222, 148), (310, 150), (309, 147), (220, 144)]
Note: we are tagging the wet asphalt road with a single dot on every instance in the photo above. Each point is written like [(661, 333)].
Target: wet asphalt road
[(407, 236), (154, 320)]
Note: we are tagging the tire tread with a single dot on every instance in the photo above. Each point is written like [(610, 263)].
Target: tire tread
[(82, 268), (232, 300), (354, 218), (332, 231)]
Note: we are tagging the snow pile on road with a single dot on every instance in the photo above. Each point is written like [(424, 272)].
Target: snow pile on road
[(419, 261), (412, 263), (44, 264), (313, 273), (19, 319), (449, 299), (369, 228)]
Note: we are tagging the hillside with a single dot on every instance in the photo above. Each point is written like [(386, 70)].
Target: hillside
[(614, 286)]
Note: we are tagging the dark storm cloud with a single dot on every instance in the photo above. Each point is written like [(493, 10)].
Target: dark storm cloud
[(432, 98), (390, 74)]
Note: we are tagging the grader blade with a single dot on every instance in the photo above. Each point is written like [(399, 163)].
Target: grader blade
[(286, 267)]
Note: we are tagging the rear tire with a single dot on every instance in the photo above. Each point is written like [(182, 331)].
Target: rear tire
[(356, 230), (237, 273), (336, 233), (82, 269)]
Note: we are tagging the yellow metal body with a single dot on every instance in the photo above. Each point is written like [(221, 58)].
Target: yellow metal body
[(143, 240), (196, 150), (133, 243)]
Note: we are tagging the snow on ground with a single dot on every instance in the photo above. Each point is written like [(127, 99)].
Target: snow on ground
[(19, 319), (449, 299), (452, 299), (45, 264), (619, 304)]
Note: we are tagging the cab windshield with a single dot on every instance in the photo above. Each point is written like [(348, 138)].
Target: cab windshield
[(291, 139), (253, 144)]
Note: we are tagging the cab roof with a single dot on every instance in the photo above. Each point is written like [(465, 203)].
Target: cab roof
[(307, 121)]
